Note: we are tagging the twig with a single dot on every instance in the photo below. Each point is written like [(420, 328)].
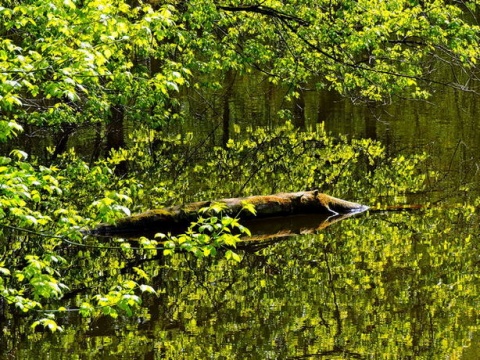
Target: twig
[(64, 239)]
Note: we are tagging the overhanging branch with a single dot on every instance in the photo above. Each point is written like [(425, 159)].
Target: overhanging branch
[(265, 10), (293, 23)]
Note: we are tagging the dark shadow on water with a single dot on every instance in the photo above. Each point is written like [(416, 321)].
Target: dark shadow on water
[(271, 230)]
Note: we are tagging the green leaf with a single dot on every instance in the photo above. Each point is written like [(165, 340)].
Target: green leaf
[(249, 207), (218, 207), (230, 255), (5, 161), (147, 288), (19, 154)]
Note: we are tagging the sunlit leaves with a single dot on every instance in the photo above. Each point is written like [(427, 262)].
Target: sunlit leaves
[(209, 234), (249, 207), (4, 271), (28, 193), (22, 184), (365, 50), (286, 159), (40, 283), (19, 154), (147, 289), (108, 209), (85, 55), (40, 275), (86, 309), (216, 208), (120, 297), (48, 323), (230, 255), (99, 52), (9, 129)]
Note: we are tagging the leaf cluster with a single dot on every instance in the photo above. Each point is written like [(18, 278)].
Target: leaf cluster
[(212, 231)]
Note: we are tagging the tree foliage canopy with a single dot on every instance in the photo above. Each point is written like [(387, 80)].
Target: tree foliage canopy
[(68, 58)]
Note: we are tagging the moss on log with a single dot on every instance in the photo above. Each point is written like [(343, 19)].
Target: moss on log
[(177, 218)]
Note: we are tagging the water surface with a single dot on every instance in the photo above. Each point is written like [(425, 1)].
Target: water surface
[(380, 285)]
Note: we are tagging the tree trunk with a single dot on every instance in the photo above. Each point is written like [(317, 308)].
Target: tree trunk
[(115, 134), (226, 117), (176, 219), (61, 139)]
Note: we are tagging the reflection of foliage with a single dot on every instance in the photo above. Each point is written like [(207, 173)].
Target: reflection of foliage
[(60, 201), (374, 286), (280, 160)]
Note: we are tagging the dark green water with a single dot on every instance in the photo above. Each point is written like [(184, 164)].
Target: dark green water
[(377, 286)]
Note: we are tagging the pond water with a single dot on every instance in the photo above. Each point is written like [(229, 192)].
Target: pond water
[(379, 285)]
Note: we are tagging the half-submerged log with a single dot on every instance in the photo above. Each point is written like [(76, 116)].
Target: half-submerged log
[(176, 219)]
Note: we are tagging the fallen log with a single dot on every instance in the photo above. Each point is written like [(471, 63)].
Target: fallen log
[(176, 219)]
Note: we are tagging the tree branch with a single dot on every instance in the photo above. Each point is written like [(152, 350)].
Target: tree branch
[(265, 10), (287, 19)]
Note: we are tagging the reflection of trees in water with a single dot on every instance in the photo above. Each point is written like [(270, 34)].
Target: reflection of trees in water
[(343, 293), (384, 285)]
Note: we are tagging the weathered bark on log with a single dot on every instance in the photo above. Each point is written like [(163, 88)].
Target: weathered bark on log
[(176, 219)]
